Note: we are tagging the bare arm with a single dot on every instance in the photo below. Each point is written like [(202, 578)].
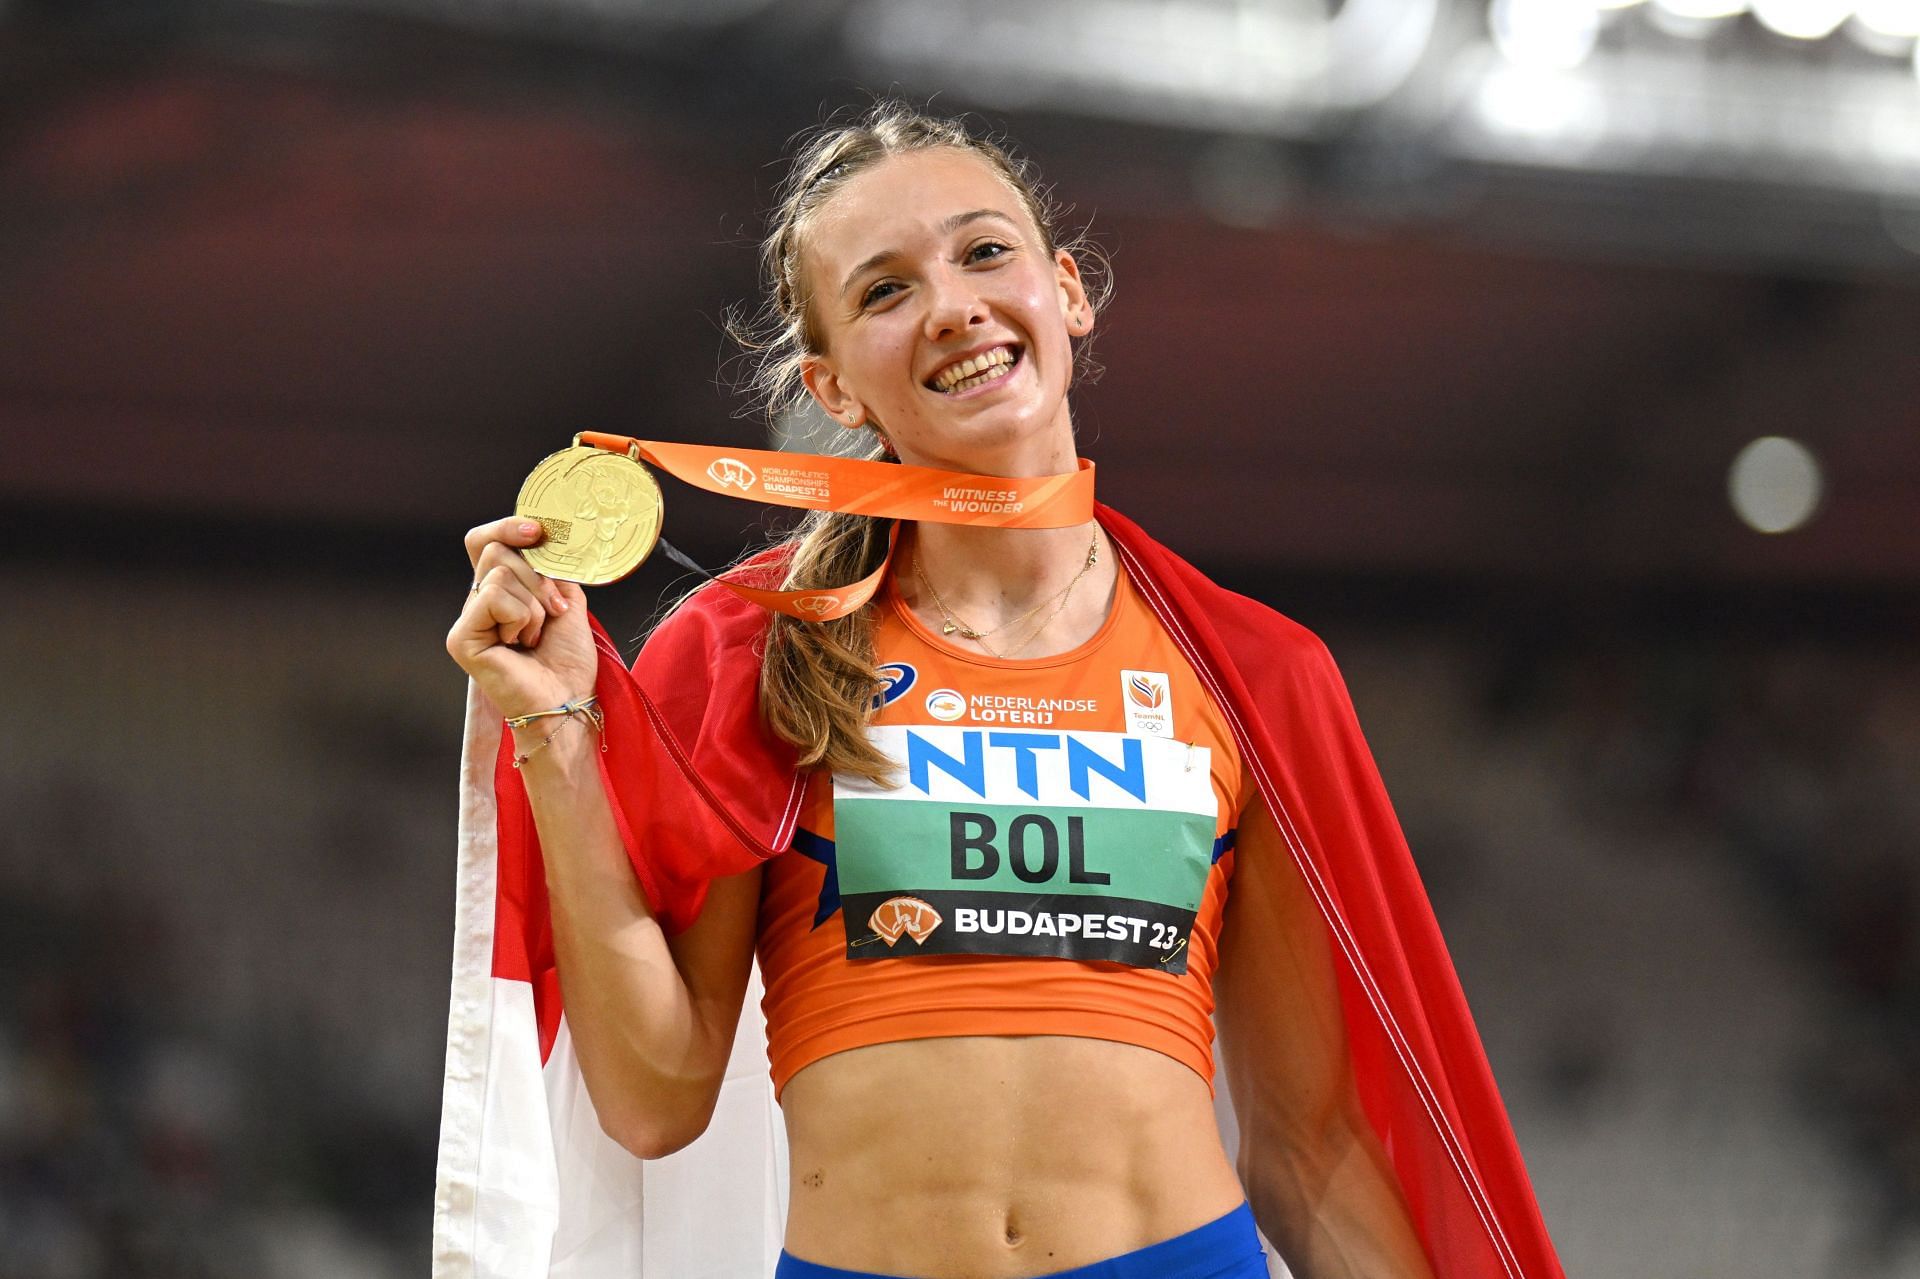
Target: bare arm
[(1319, 1182), (652, 1020)]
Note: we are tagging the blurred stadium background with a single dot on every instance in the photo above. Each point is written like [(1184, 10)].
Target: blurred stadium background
[(1559, 361)]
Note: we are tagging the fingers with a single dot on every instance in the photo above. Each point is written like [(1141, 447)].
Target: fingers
[(499, 612), (515, 531), (511, 605), (517, 610), (491, 546), (476, 632), (500, 558)]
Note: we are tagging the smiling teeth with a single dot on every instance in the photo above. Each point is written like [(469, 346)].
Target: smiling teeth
[(971, 373)]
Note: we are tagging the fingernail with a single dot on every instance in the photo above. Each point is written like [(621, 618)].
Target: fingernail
[(528, 528), (560, 604)]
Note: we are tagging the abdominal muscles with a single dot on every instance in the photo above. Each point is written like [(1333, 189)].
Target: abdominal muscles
[(998, 1158)]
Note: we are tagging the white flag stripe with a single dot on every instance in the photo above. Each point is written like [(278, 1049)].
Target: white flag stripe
[(527, 1184)]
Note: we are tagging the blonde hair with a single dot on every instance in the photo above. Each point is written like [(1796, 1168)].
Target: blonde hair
[(818, 682)]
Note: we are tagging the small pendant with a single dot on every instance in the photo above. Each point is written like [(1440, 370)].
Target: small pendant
[(948, 629)]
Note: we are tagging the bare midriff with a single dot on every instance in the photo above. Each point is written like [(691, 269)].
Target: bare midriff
[(998, 1157)]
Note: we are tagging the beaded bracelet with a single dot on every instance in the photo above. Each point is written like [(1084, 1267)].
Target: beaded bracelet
[(588, 706)]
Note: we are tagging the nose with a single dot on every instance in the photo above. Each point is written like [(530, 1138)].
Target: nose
[(954, 305)]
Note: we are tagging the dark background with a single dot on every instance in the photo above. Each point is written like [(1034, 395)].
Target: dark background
[(1438, 327)]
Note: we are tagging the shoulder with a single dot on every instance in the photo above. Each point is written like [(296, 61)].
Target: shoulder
[(712, 624), (700, 671), (1252, 633)]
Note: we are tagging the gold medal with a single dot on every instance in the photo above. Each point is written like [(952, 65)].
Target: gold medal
[(600, 510)]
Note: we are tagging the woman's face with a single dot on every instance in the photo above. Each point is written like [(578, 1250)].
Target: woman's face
[(923, 267)]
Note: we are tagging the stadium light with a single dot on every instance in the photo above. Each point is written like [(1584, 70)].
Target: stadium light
[(1694, 19), (1774, 484), (1545, 35), (1701, 10), (1543, 114), (1803, 19), (1897, 18)]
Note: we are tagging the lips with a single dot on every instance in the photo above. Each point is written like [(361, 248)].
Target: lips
[(975, 369)]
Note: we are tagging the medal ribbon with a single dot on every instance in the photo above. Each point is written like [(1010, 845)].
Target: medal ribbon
[(855, 486), (888, 490)]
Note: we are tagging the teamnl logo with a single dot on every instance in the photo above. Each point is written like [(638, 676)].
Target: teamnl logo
[(731, 472), (1148, 699)]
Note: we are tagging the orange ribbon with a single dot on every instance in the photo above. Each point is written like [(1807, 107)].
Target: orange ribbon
[(886, 490), (889, 490)]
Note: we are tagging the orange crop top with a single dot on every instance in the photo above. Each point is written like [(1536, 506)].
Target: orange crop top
[(1053, 861)]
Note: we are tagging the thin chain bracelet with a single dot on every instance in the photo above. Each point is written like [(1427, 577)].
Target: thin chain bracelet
[(588, 706), (578, 704)]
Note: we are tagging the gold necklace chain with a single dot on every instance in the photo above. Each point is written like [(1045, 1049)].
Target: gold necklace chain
[(952, 623)]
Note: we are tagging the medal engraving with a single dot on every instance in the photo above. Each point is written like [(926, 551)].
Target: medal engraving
[(600, 511)]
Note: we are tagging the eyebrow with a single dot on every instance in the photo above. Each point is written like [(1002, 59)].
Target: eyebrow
[(948, 227)]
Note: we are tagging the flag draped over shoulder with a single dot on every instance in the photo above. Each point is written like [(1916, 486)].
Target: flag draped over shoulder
[(529, 1187), (1419, 1068)]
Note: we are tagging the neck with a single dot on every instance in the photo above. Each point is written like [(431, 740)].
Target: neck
[(1017, 565), (988, 578), (1021, 592), (1005, 566), (999, 561)]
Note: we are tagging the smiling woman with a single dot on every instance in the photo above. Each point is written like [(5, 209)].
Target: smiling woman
[(1007, 841), (817, 677)]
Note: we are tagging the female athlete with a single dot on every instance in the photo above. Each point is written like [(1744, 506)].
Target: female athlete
[(1051, 830)]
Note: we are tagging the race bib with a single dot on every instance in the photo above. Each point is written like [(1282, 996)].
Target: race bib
[(1081, 845)]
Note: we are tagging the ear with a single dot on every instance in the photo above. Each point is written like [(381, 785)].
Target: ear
[(824, 384), (1075, 307)]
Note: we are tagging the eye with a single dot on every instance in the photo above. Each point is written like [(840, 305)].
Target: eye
[(986, 251), (878, 292)]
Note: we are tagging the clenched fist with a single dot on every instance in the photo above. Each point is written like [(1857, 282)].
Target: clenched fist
[(522, 637)]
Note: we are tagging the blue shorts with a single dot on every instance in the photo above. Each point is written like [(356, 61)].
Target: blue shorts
[(1225, 1249)]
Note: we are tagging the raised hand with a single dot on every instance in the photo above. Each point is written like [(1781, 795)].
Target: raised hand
[(522, 637)]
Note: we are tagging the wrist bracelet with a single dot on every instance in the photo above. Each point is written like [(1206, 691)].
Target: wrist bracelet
[(587, 707), (578, 704)]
